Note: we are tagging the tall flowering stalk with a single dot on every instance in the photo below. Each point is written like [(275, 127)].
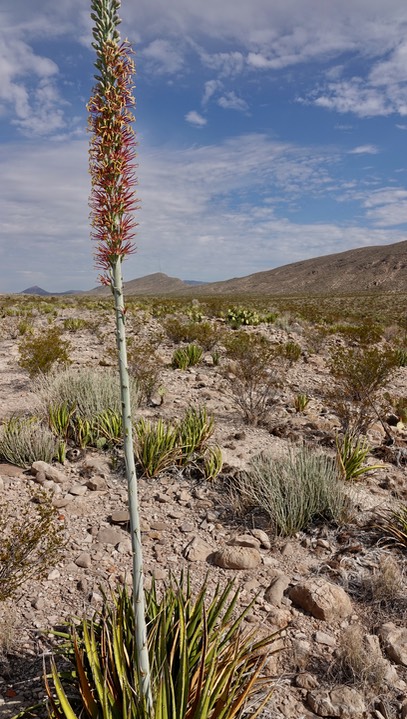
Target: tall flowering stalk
[(113, 202)]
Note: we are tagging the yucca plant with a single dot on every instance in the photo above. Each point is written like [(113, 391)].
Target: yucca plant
[(351, 454), (213, 462), (185, 357), (113, 202), (203, 664), (157, 446), (301, 402), (194, 430), (393, 523)]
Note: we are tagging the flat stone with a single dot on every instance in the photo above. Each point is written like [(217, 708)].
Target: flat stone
[(84, 560), (61, 502), (120, 516), (323, 638), (343, 702), (108, 535), (10, 470), (78, 490)]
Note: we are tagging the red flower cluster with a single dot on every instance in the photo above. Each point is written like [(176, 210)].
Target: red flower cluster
[(111, 155)]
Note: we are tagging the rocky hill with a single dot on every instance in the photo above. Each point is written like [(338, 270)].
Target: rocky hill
[(366, 269)]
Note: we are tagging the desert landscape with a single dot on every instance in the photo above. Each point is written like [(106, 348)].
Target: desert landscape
[(276, 383)]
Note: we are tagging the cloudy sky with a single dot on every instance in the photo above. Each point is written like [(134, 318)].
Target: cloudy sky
[(268, 133)]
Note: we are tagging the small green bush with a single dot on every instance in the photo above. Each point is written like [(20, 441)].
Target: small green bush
[(145, 367), (40, 352), (24, 440), (293, 491), (359, 374), (73, 324), (251, 374), (291, 351), (31, 542), (301, 402)]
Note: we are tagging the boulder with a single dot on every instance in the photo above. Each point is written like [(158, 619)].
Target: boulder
[(236, 557), (395, 642), (344, 702), (321, 599)]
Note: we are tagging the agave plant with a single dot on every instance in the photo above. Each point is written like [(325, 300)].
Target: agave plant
[(203, 664), (351, 456)]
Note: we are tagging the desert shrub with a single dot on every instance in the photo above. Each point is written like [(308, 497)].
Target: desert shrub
[(294, 490), (367, 333), (74, 324), (203, 665), (88, 391), (145, 366), (291, 351), (351, 454), (385, 585), (25, 328), (176, 329), (251, 374), (40, 352), (31, 542), (24, 440), (401, 357), (205, 334), (185, 357), (212, 462), (359, 374)]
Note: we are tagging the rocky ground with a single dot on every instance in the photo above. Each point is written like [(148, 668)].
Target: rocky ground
[(314, 588)]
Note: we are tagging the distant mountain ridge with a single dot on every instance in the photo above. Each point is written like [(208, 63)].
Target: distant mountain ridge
[(380, 268)]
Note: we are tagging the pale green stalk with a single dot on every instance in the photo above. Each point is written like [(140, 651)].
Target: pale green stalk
[(143, 667)]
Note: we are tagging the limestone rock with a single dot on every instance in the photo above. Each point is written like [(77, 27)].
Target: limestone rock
[(84, 560), (120, 516), (236, 557), (50, 472), (395, 642), (244, 540), (97, 484), (197, 550), (108, 535), (275, 591), (343, 702), (263, 538), (321, 599)]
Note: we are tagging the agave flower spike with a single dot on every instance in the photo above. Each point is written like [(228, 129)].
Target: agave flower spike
[(113, 202)]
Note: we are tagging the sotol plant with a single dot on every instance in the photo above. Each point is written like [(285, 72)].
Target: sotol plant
[(113, 202)]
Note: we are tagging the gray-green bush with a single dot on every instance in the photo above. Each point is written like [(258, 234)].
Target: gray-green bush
[(293, 490)]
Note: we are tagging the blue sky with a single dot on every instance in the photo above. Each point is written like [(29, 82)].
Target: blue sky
[(268, 133)]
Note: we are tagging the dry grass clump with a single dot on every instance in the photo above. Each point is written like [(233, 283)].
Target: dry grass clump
[(24, 440), (359, 659)]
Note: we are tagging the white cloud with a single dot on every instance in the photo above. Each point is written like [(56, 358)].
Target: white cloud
[(163, 57), (228, 64), (194, 118), (230, 101), (196, 215), (210, 89), (364, 150)]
